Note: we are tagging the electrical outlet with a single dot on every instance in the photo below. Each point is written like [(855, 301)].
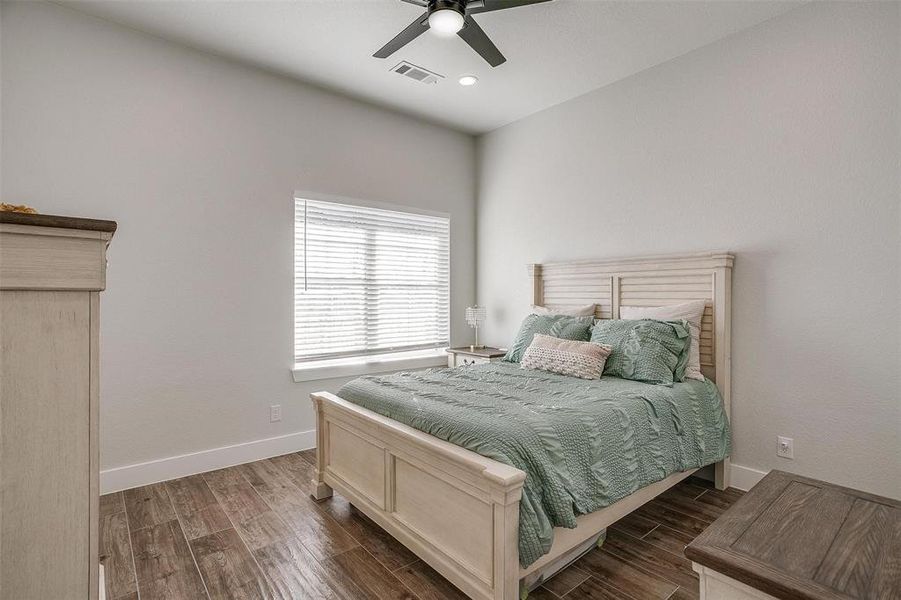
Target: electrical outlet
[(785, 447), (275, 413)]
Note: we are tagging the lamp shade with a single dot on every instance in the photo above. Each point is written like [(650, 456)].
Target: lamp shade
[(476, 315)]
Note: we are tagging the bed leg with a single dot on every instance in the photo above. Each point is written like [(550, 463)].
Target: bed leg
[(319, 489), (507, 585), (721, 474)]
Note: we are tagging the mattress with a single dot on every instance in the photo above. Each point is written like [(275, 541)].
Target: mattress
[(583, 444)]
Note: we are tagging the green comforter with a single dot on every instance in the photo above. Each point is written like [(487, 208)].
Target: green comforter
[(583, 444)]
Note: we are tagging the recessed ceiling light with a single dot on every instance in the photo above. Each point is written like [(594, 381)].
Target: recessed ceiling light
[(468, 80)]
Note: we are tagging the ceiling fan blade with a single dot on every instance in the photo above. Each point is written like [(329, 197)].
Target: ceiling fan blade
[(476, 37), (422, 3), (493, 5), (413, 30)]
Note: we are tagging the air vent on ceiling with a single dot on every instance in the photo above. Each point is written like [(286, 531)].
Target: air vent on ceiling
[(417, 73)]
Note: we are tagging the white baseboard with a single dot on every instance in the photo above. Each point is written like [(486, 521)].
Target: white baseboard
[(744, 478), (154, 471)]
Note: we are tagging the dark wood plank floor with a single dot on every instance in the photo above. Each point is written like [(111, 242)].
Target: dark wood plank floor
[(252, 531)]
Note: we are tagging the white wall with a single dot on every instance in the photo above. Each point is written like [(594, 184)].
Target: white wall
[(197, 159), (781, 143)]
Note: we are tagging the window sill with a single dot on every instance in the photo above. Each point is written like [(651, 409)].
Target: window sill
[(367, 365)]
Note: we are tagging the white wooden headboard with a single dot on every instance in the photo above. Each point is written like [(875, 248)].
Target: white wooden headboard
[(650, 281)]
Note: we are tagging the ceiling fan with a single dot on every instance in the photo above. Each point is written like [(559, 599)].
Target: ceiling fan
[(447, 17)]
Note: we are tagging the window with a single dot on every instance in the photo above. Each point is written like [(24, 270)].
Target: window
[(368, 281)]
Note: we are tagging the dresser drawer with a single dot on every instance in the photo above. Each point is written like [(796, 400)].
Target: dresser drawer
[(461, 360)]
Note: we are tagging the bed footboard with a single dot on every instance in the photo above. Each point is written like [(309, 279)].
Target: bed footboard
[(456, 510)]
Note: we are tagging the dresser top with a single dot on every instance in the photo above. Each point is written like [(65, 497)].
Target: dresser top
[(57, 221), (794, 537)]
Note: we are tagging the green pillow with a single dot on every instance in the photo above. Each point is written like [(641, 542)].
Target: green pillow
[(559, 326), (645, 350)]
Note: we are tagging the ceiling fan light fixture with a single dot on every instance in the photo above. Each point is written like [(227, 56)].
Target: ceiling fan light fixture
[(445, 22), (450, 17)]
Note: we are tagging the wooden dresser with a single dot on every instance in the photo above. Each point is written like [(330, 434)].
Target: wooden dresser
[(52, 270), (795, 538)]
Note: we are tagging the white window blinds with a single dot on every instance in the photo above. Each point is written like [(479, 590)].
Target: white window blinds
[(368, 280)]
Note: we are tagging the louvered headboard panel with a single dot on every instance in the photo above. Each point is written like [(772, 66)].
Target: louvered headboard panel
[(663, 290), (649, 281)]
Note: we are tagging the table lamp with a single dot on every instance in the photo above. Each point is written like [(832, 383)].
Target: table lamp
[(475, 316)]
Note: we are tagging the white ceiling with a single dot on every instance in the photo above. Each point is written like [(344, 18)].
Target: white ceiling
[(555, 51)]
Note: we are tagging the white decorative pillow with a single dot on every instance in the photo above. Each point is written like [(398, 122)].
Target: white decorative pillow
[(566, 357), (690, 311), (578, 311)]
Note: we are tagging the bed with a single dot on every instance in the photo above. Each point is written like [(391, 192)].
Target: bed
[(459, 510)]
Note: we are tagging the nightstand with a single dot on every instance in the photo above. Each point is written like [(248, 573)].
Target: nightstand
[(458, 357)]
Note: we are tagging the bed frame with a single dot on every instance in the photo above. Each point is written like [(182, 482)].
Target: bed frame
[(459, 511)]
